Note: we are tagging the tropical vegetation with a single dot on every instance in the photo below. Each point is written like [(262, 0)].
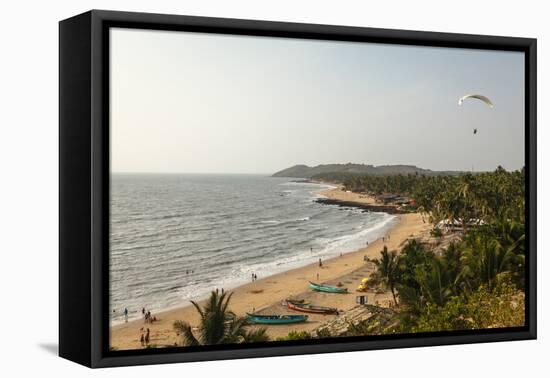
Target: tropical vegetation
[(478, 280), (218, 325), (465, 199)]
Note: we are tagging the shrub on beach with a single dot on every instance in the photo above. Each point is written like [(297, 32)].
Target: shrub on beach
[(322, 333), (436, 232), (296, 335)]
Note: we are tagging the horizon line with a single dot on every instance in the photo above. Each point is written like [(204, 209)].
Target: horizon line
[(190, 173)]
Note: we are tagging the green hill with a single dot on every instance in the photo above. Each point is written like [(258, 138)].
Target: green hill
[(303, 171)]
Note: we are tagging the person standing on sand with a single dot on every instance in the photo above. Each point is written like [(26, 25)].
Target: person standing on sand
[(320, 263), (142, 339), (125, 315)]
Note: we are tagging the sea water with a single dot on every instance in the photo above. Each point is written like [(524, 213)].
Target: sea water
[(176, 237)]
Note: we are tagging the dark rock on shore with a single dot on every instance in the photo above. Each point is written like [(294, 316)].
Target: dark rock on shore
[(390, 209)]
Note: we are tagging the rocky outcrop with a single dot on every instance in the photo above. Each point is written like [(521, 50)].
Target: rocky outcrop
[(390, 209), (360, 320)]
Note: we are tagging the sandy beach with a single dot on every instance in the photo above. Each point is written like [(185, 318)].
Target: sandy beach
[(266, 294), (342, 195)]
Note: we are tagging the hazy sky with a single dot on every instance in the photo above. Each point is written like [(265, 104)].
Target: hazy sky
[(191, 102)]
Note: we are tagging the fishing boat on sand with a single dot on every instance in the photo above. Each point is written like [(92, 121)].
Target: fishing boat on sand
[(276, 319), (311, 308), (327, 289), (292, 300)]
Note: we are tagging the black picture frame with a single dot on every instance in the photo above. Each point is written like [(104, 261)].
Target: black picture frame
[(84, 185)]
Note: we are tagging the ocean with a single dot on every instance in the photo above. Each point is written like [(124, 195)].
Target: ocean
[(176, 237)]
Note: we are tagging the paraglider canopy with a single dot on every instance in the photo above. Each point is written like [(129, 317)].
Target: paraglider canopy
[(476, 96)]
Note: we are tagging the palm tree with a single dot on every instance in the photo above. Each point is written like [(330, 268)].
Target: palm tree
[(412, 299), (218, 325), (388, 269), (451, 260), (511, 238), (485, 260), (255, 336), (435, 282)]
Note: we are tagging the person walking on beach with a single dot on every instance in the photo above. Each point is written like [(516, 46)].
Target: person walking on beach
[(125, 315), (320, 263), (143, 311), (142, 339), (252, 277)]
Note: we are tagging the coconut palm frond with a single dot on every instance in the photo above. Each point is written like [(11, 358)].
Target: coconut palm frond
[(184, 330), (256, 336)]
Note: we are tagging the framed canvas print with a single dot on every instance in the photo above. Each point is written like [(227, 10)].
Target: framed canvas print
[(234, 188)]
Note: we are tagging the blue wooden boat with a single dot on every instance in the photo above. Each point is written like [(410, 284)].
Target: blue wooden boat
[(275, 319), (327, 289)]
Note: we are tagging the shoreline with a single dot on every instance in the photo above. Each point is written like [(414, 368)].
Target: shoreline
[(265, 294)]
